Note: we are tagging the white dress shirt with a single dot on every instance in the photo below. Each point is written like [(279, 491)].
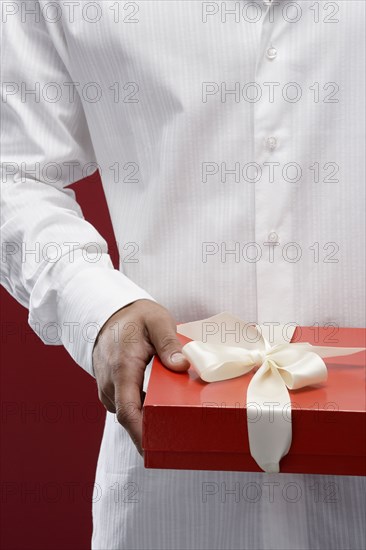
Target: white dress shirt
[(230, 141)]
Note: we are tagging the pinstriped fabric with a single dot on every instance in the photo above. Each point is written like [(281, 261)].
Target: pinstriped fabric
[(210, 148), (339, 495), (171, 508)]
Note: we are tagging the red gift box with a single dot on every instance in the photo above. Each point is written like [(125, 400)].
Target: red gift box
[(193, 425)]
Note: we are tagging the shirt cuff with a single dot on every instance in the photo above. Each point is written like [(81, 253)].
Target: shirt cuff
[(91, 294)]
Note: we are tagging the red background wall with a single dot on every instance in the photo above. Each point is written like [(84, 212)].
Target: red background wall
[(51, 424)]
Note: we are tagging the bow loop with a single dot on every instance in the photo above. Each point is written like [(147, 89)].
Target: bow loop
[(308, 370), (216, 362)]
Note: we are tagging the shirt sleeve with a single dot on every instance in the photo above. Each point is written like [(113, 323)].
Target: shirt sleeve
[(53, 261)]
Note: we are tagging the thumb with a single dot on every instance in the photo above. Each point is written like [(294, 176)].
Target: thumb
[(163, 336)]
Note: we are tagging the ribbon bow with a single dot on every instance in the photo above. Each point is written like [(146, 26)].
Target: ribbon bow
[(281, 366)]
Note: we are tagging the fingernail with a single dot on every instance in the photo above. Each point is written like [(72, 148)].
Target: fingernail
[(177, 357)]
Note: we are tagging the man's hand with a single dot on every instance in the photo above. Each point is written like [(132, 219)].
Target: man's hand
[(125, 345)]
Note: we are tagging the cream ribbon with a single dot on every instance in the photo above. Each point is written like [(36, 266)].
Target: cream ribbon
[(281, 366)]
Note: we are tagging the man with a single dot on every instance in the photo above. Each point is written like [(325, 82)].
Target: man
[(229, 137)]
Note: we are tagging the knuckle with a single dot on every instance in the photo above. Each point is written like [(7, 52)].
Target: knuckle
[(122, 416), (115, 368), (168, 342), (108, 361), (126, 413), (114, 364)]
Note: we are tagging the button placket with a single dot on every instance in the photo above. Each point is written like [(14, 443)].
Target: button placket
[(273, 213)]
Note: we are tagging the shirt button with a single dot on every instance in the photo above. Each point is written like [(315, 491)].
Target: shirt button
[(273, 237), (271, 143), (271, 53)]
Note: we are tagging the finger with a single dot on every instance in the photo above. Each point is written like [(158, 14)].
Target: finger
[(128, 402), (163, 336)]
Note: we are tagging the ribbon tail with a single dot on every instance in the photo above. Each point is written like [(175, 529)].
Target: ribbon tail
[(328, 351), (269, 418)]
